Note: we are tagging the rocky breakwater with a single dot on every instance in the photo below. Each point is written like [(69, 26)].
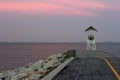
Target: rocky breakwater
[(37, 70)]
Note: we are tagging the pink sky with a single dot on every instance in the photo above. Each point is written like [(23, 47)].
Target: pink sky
[(55, 7), (58, 20)]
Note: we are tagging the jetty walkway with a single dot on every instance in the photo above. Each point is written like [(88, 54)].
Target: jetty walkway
[(91, 65)]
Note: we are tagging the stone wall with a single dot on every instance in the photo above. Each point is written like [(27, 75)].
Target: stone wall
[(39, 69)]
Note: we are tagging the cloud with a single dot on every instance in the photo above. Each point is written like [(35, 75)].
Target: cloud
[(83, 4), (54, 7)]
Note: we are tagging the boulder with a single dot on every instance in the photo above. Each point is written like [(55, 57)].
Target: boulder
[(34, 71), (23, 70), (19, 76), (51, 57), (36, 66), (35, 77), (7, 75), (3, 76), (52, 63)]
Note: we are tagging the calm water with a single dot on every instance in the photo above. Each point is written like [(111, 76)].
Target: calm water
[(13, 55)]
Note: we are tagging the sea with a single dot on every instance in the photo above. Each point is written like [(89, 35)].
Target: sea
[(17, 54)]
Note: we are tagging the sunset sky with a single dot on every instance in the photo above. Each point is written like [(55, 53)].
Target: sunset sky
[(58, 20)]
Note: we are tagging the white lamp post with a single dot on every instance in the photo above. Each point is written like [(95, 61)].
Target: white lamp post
[(91, 44)]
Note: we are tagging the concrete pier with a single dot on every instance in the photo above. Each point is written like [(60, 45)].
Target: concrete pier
[(91, 65)]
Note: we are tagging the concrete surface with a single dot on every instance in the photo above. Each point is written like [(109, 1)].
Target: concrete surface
[(86, 66)]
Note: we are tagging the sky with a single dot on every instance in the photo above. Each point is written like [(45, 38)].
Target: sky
[(58, 20)]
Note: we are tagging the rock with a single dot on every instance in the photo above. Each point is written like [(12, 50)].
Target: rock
[(19, 76), (34, 71), (22, 70), (29, 65), (35, 77), (51, 57), (36, 66), (52, 63), (3, 76), (11, 74), (7, 75), (59, 55)]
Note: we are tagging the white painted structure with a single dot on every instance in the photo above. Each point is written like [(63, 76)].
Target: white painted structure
[(91, 44)]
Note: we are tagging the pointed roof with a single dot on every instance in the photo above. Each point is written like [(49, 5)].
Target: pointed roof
[(91, 28)]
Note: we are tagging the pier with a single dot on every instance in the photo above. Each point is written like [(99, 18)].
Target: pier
[(71, 65), (91, 65)]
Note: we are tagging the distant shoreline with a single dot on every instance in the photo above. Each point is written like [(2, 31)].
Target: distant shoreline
[(54, 42)]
